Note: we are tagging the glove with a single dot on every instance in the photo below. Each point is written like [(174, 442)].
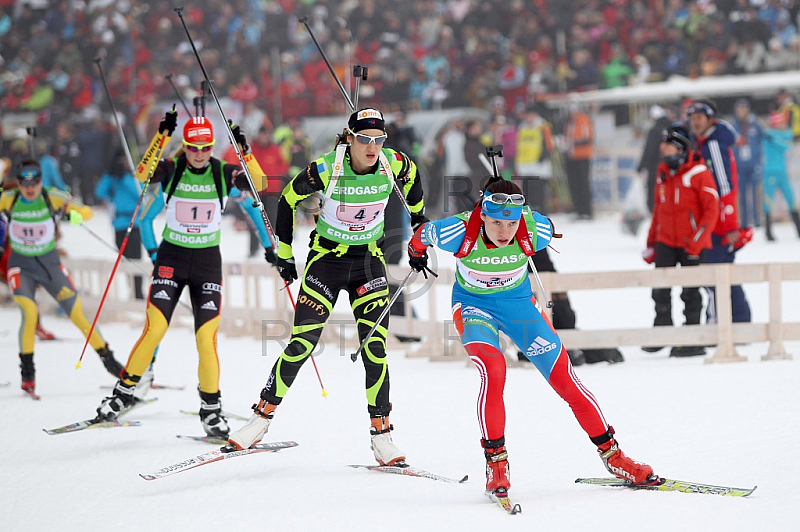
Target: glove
[(737, 238), (169, 122), (75, 218), (649, 255), (286, 269), (238, 134), (418, 261), (269, 254), (152, 253)]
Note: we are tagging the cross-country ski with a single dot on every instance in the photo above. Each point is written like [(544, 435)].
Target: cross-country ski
[(210, 457), (405, 469), (668, 484)]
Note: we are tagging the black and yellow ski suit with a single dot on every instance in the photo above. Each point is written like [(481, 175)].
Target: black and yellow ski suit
[(345, 255)]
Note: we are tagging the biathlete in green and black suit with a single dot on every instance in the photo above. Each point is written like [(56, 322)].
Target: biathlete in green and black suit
[(355, 182)]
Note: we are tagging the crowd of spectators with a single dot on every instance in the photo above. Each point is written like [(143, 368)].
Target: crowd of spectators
[(422, 54)]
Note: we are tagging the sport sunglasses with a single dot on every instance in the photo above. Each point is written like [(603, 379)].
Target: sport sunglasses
[(501, 198), (194, 148), (366, 139)]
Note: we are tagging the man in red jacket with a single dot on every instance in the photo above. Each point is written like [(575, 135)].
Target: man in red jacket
[(685, 211)]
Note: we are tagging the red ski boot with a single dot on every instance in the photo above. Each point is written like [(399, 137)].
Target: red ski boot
[(43, 334), (620, 465), (497, 473)]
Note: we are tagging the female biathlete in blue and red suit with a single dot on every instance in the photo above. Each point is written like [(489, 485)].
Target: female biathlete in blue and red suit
[(492, 293)]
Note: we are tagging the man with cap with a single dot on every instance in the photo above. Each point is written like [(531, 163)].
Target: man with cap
[(33, 215), (685, 210), (714, 140), (747, 152), (354, 183), (196, 187)]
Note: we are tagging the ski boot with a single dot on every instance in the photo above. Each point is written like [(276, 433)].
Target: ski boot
[(617, 463), (687, 351), (255, 428), (211, 416), (28, 373), (109, 362), (498, 478), (381, 442), (43, 334), (120, 401)]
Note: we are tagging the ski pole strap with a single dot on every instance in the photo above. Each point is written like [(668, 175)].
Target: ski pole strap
[(338, 168), (473, 231), (524, 238)]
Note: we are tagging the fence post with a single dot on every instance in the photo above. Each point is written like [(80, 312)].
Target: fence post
[(726, 350), (776, 349)]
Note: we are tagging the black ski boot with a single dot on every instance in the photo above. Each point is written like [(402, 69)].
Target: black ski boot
[(28, 372), (211, 416), (110, 363), (688, 351), (768, 226), (796, 220)]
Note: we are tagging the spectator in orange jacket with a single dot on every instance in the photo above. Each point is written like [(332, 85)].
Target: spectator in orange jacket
[(685, 211), (579, 137)]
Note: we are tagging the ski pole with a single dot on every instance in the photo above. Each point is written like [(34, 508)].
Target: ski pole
[(135, 211), (257, 203), (361, 347), (361, 72), (491, 153), (178, 94)]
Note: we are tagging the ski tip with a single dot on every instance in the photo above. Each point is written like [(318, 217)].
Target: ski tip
[(466, 478), (147, 477), (517, 509)]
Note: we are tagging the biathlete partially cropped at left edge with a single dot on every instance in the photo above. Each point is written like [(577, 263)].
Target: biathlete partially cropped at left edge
[(492, 293)]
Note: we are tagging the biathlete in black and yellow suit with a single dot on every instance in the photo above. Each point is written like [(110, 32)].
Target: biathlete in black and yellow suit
[(196, 188), (33, 214), (355, 185)]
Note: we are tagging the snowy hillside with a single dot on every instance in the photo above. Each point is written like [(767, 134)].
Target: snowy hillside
[(726, 424)]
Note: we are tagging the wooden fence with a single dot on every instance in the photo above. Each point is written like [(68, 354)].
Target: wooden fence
[(255, 304)]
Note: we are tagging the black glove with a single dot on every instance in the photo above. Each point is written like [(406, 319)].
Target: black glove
[(418, 263), (269, 254), (169, 122), (238, 134), (286, 269), (417, 220)]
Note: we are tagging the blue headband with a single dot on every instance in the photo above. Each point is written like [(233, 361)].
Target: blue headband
[(500, 212)]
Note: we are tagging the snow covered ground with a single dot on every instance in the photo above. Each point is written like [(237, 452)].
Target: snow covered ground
[(727, 424)]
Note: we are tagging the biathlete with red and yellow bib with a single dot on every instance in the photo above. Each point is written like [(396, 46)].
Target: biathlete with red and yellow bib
[(196, 187)]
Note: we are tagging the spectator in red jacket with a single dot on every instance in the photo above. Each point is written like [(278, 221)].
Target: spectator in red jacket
[(685, 210)]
